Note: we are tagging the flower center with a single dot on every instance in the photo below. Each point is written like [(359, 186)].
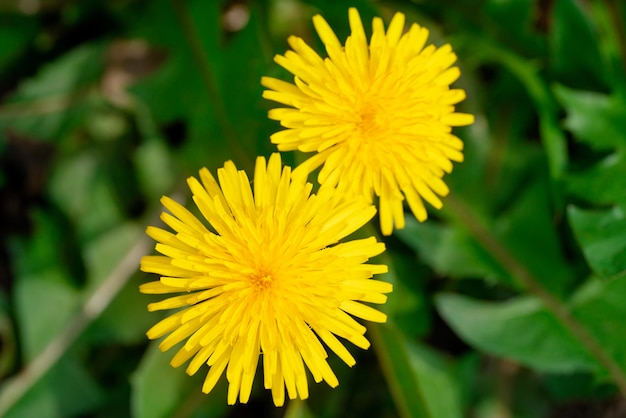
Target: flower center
[(372, 121), (262, 281)]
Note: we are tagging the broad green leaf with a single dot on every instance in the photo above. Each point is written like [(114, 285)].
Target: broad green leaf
[(407, 305), (437, 383), (245, 60), (527, 229), (602, 237), (77, 69), (55, 100), (103, 253), (160, 391), (45, 303), (420, 381), (449, 251), (186, 91), (573, 30), (83, 192), (520, 329), (67, 390), (101, 256), (129, 305), (45, 296), (594, 118), (513, 18), (39, 402), (527, 73), (602, 312), (402, 380), (601, 184), (409, 371), (155, 169)]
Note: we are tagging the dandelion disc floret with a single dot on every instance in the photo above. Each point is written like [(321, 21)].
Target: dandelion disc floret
[(378, 115), (264, 275)]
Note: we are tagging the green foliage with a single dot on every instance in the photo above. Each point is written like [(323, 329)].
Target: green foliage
[(521, 329), (507, 302)]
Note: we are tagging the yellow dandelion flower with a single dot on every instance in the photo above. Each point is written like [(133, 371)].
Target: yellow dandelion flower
[(267, 276), (378, 116)]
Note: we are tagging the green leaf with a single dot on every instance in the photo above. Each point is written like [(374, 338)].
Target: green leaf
[(178, 91), (45, 303), (130, 305), (245, 61), (76, 69), (520, 329), (155, 169), (407, 305), (83, 192), (402, 380), (602, 184), (602, 312), (510, 17), (103, 253), (438, 385), (573, 30), (527, 229), (552, 137), (53, 102), (66, 391), (449, 251), (596, 119), (420, 381), (602, 236), (45, 296), (159, 390), (411, 372)]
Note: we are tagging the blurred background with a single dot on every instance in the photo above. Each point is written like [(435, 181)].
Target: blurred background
[(507, 303)]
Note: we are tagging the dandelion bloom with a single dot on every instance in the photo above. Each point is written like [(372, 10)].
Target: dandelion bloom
[(378, 116), (267, 275)]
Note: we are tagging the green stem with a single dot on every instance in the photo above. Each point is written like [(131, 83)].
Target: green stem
[(209, 80), (558, 308), (394, 361)]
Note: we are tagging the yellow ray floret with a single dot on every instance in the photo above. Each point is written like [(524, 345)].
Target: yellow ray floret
[(377, 115), (264, 275)]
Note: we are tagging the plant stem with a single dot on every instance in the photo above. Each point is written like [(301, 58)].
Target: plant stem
[(394, 362), (209, 80), (92, 308), (558, 308)]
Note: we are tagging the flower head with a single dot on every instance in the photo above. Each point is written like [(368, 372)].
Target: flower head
[(267, 275), (378, 115)]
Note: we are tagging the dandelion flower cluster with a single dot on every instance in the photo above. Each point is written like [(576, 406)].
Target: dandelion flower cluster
[(377, 115), (263, 276)]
